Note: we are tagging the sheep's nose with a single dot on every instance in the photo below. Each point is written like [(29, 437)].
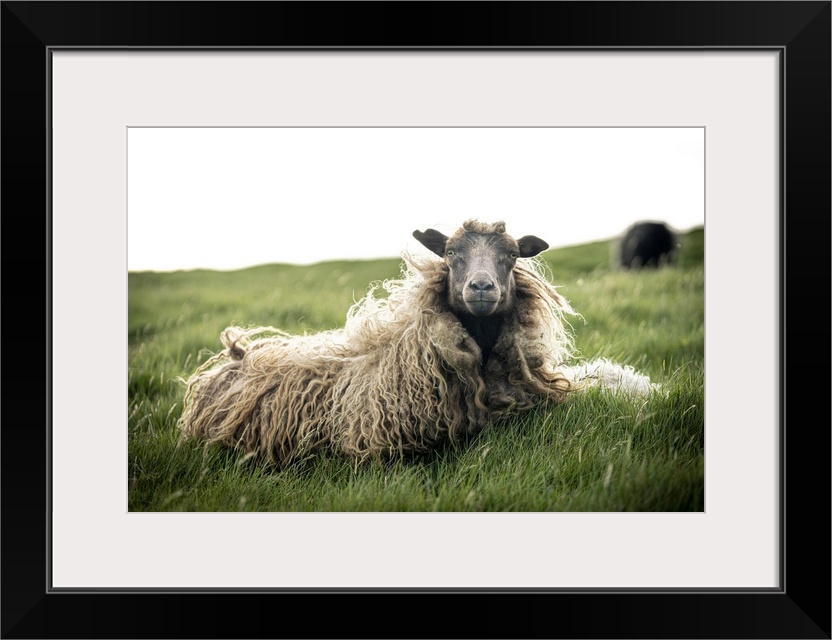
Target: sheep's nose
[(481, 283)]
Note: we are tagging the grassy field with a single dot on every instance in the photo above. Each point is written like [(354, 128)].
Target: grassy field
[(597, 452)]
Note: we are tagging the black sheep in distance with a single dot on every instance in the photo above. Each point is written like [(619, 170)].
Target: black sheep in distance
[(647, 244)]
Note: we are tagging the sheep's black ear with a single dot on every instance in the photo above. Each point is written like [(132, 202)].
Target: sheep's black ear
[(531, 246), (433, 240)]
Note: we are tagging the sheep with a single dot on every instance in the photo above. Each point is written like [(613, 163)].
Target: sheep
[(457, 342), (646, 244)]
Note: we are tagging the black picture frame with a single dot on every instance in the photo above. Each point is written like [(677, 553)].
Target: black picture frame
[(800, 31)]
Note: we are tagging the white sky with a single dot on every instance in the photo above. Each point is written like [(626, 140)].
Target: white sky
[(227, 198)]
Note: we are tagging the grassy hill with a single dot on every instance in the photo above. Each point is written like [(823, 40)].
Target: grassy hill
[(596, 453)]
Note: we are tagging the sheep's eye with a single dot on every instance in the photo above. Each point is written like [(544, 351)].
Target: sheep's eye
[(450, 252), (514, 255)]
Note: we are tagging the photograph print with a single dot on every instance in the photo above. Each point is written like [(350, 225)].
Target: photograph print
[(416, 319)]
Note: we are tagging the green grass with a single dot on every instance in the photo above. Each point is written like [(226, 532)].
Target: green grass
[(597, 452)]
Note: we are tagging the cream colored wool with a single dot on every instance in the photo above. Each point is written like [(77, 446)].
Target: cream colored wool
[(612, 376), (402, 375)]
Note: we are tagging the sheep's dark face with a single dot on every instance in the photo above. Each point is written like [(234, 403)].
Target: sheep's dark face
[(480, 280)]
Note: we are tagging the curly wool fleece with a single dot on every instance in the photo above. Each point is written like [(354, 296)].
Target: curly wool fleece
[(402, 376)]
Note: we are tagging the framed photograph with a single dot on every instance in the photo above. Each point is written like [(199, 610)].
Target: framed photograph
[(87, 86)]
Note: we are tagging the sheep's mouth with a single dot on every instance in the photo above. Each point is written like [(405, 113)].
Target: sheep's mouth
[(482, 306)]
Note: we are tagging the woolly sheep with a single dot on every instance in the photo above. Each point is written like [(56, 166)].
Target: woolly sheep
[(457, 342)]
